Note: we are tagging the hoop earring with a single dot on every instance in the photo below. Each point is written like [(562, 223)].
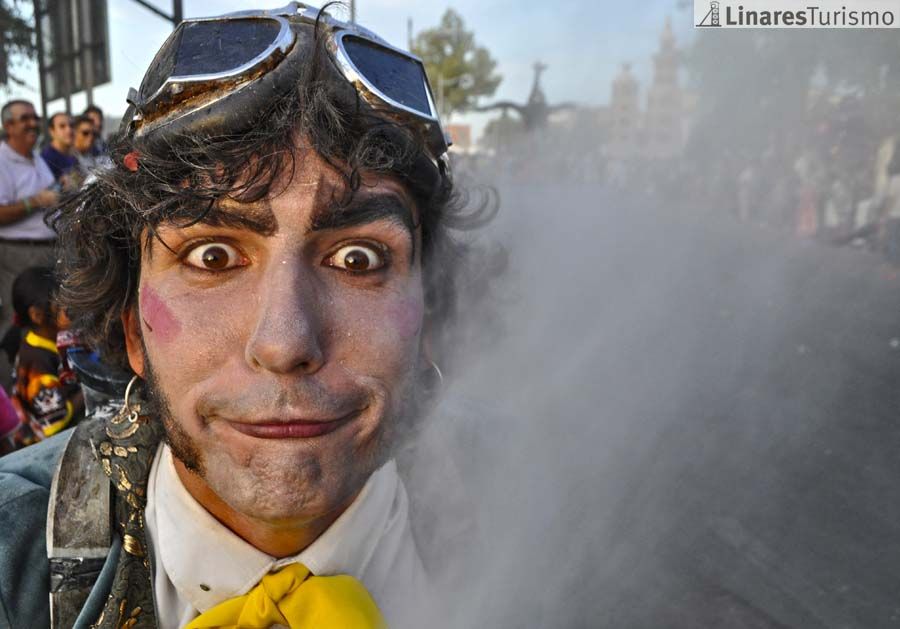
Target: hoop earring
[(433, 379), (128, 420), (129, 412), (128, 390), (437, 370)]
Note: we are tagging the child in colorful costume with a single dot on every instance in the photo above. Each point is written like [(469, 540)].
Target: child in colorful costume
[(48, 404)]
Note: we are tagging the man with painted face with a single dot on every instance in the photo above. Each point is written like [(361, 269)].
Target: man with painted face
[(261, 261)]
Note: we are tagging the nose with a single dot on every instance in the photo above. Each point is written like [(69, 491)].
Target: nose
[(286, 338)]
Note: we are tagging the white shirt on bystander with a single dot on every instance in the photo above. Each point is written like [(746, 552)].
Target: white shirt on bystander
[(21, 177)]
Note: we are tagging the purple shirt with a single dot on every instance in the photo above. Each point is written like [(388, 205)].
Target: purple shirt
[(59, 163)]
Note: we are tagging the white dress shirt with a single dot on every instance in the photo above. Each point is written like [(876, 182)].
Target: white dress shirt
[(21, 177), (200, 563)]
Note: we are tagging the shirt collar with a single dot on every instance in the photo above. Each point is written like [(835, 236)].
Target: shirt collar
[(208, 564)]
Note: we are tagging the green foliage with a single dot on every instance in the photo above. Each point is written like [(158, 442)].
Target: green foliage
[(459, 69), (16, 38)]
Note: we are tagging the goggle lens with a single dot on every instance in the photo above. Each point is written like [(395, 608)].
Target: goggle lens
[(398, 77), (230, 51), (210, 47)]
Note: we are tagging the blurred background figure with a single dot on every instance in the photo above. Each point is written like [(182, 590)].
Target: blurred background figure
[(58, 152), (96, 115), (85, 133), (49, 403), (86, 152), (10, 424), (890, 219)]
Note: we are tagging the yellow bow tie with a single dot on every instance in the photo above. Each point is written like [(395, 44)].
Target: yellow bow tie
[(293, 598)]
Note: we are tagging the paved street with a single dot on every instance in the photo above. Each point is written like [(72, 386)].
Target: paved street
[(703, 423)]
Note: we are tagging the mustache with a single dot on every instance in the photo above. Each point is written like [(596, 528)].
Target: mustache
[(268, 400)]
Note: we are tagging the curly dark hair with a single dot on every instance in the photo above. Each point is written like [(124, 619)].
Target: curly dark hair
[(181, 177)]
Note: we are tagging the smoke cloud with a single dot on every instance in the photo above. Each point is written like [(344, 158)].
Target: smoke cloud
[(683, 421)]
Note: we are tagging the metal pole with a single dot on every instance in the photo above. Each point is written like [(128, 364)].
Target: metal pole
[(73, 50), (353, 11), (177, 12), (409, 36), (42, 64), (66, 56), (86, 45), (88, 78)]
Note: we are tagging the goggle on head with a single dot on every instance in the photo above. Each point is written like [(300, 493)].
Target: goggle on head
[(219, 69)]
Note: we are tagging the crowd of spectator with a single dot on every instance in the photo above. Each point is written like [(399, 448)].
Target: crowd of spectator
[(39, 395)]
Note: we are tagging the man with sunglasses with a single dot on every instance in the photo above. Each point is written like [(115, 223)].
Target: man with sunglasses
[(26, 191), (270, 264), (88, 158), (96, 115)]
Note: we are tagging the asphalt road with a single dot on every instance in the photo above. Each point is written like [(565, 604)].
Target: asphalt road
[(701, 423)]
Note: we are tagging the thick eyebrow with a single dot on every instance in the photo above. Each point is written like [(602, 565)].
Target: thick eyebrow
[(362, 210), (365, 209), (258, 217)]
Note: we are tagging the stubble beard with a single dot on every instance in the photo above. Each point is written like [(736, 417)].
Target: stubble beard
[(179, 441), (397, 428)]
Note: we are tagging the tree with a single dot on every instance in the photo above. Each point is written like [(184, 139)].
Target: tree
[(16, 39), (459, 69)]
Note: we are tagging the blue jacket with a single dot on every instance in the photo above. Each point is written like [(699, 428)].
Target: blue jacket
[(25, 478)]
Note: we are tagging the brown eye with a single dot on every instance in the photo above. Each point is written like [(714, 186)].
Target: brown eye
[(356, 258), (216, 256)]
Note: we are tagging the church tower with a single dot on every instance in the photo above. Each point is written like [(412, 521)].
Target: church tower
[(625, 116), (664, 135)]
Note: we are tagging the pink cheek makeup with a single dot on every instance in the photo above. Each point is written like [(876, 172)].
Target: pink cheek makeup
[(407, 316), (157, 317)]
